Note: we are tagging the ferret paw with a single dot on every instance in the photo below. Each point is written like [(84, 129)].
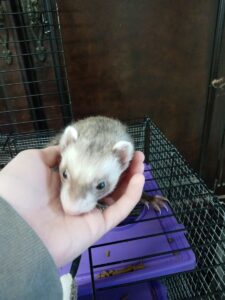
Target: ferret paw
[(158, 202)]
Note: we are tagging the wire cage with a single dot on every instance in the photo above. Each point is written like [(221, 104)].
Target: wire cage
[(193, 205), (34, 93), (202, 214), (35, 103)]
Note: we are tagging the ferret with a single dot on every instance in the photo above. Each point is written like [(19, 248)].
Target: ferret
[(94, 153)]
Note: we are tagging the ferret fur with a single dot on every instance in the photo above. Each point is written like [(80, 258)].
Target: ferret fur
[(93, 150)]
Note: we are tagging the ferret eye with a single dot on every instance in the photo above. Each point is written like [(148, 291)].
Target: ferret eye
[(101, 185), (64, 174)]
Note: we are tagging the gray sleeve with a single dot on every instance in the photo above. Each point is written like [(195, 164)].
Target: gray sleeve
[(27, 270)]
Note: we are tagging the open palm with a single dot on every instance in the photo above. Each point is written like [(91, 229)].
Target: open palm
[(31, 186)]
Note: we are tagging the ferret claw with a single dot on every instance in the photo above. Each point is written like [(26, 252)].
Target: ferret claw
[(161, 198), (156, 207), (166, 207), (146, 203), (157, 202)]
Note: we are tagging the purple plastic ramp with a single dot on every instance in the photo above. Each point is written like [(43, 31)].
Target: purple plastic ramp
[(148, 290), (155, 255)]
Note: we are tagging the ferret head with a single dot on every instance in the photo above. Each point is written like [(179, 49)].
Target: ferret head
[(88, 175)]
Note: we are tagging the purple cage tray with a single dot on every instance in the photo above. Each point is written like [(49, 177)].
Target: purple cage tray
[(161, 246), (148, 290)]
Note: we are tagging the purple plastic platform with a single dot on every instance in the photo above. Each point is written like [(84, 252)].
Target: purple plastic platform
[(163, 249), (143, 291)]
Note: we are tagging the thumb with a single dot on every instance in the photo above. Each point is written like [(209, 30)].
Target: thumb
[(51, 156), (118, 211)]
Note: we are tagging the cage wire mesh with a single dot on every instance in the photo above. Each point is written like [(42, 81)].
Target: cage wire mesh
[(194, 206), (35, 103), (34, 93), (202, 214)]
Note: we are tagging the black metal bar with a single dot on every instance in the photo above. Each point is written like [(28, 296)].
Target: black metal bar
[(27, 109), (218, 36), (32, 68), (25, 12), (166, 277), (171, 175), (138, 258), (36, 81), (32, 53), (153, 235), (24, 26), (92, 274), (147, 140), (7, 105), (30, 122), (31, 40), (29, 75), (34, 96), (61, 85), (220, 162)]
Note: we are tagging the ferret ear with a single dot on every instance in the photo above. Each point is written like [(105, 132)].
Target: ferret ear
[(69, 136), (124, 151)]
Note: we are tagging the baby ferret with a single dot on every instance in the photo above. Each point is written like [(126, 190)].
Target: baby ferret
[(94, 153)]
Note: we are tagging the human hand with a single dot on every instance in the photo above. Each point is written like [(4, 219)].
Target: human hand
[(31, 186)]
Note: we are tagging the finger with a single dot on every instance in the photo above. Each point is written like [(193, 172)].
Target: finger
[(136, 165), (108, 200), (51, 156), (139, 155), (137, 161), (118, 211)]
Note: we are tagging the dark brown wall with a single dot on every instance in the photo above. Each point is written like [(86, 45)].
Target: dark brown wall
[(133, 58)]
